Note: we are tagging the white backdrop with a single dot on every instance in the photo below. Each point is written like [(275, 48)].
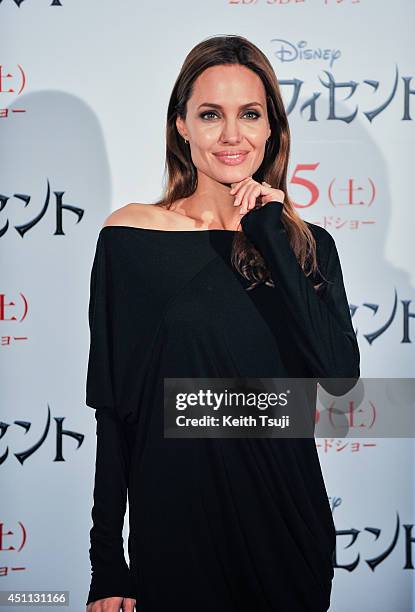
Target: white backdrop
[(84, 88)]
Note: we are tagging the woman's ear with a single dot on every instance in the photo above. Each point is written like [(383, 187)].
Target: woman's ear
[(180, 127)]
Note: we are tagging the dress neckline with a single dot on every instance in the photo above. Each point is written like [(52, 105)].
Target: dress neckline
[(160, 231)]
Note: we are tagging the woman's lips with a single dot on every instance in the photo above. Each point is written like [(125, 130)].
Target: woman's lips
[(232, 160)]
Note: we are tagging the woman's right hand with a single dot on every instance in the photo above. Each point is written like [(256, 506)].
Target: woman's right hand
[(112, 604)]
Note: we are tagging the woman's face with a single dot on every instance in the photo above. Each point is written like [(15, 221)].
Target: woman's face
[(227, 123)]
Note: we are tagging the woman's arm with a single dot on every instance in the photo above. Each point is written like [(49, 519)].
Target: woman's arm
[(111, 576), (323, 328)]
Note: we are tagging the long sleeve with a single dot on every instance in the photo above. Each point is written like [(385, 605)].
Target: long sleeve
[(99, 382), (110, 573), (111, 576), (322, 323)]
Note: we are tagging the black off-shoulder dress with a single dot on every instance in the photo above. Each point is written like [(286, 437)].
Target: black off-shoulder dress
[(215, 525)]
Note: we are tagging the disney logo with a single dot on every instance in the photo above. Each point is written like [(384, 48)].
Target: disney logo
[(289, 52)]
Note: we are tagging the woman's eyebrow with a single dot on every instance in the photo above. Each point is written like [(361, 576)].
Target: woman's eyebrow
[(220, 107)]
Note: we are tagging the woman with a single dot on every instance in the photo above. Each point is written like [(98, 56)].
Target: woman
[(221, 278)]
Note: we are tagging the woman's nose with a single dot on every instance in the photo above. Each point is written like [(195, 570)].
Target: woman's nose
[(231, 135)]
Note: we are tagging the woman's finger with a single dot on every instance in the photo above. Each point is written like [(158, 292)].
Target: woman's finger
[(236, 186), (250, 196), (240, 195), (107, 604), (128, 604), (253, 196)]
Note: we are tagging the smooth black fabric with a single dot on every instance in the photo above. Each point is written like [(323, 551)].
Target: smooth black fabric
[(218, 525)]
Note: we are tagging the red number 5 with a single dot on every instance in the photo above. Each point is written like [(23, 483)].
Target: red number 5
[(311, 187)]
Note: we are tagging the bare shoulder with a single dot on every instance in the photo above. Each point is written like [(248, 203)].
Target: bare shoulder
[(149, 216), (134, 215)]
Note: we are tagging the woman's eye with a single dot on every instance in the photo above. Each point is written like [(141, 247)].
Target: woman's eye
[(256, 115), (203, 115), (253, 113)]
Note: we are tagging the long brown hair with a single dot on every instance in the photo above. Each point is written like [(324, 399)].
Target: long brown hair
[(181, 171)]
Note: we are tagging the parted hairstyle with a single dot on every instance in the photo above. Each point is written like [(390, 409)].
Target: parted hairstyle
[(181, 171)]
